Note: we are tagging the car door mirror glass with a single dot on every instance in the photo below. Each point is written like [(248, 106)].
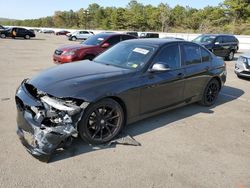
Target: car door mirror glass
[(216, 43), (160, 67), (105, 45)]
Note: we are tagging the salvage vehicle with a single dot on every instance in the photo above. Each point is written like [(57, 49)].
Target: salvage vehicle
[(80, 35), (221, 45), (131, 81), (17, 32), (88, 49), (242, 66)]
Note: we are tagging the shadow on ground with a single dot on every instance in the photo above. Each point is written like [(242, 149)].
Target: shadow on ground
[(78, 147)]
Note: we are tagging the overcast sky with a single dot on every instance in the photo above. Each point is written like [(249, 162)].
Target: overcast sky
[(27, 9)]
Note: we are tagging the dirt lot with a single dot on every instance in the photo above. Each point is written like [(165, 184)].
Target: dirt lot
[(189, 147)]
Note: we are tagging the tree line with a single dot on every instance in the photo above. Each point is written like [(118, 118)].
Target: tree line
[(231, 16)]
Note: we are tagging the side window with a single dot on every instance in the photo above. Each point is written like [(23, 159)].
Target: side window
[(114, 40), (227, 39), (219, 39), (205, 55), (192, 54), (127, 37), (85, 32), (170, 56)]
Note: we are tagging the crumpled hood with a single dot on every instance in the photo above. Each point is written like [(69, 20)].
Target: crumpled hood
[(68, 80), (73, 47)]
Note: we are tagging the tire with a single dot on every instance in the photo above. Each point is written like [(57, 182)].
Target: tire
[(210, 93), (101, 122), (3, 35), (73, 38), (230, 56), (27, 37), (89, 57)]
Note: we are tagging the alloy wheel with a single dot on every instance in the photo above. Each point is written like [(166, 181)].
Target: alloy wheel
[(212, 92), (104, 122)]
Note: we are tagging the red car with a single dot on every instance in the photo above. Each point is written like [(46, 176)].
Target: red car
[(88, 49), (63, 32)]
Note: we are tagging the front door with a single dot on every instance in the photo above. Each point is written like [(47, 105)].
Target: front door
[(163, 89)]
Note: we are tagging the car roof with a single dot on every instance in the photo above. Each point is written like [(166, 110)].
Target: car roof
[(216, 35), (155, 41)]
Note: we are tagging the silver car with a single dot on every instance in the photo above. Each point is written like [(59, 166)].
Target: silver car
[(242, 66)]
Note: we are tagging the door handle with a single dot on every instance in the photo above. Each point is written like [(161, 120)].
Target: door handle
[(180, 75)]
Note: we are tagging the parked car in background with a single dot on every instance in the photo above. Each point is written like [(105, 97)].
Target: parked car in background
[(221, 45), (242, 66), (17, 32), (131, 81), (173, 38), (88, 49), (48, 31), (132, 33), (149, 35), (62, 32), (80, 35)]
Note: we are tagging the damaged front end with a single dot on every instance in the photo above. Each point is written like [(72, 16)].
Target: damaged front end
[(44, 122)]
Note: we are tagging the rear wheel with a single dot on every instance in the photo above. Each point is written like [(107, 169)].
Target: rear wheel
[(101, 122), (211, 93), (27, 37), (230, 56)]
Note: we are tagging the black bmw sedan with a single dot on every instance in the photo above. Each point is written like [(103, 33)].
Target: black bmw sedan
[(96, 99)]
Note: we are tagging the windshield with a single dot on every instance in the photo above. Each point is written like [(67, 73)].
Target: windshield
[(127, 55), (205, 38), (95, 40)]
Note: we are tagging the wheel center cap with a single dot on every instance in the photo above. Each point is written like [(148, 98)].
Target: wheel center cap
[(102, 121)]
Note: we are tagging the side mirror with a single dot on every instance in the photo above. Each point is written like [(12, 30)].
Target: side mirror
[(105, 45), (216, 43), (159, 67)]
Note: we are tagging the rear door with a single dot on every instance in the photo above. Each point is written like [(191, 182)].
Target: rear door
[(197, 63), (20, 32)]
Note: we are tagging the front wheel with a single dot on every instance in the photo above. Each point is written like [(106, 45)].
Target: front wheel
[(211, 93), (73, 38), (101, 122)]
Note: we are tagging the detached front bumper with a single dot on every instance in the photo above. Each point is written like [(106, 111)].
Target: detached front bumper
[(40, 136)]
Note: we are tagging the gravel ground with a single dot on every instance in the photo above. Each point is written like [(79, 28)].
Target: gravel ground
[(192, 146)]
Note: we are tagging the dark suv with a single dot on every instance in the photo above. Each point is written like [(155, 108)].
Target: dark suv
[(17, 32), (221, 45)]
